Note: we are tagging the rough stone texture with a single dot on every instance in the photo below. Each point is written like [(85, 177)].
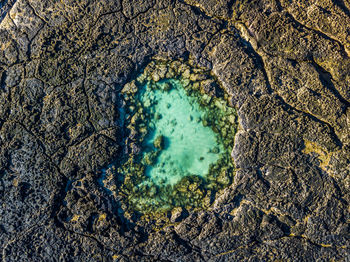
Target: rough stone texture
[(285, 65)]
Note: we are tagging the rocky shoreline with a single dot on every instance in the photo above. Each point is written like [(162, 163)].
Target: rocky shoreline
[(284, 66)]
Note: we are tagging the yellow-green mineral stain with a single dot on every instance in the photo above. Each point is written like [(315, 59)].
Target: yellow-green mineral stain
[(188, 145)]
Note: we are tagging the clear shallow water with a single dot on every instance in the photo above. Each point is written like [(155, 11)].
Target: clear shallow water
[(189, 147), (178, 143)]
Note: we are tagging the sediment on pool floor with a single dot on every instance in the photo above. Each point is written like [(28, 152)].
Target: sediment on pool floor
[(180, 135)]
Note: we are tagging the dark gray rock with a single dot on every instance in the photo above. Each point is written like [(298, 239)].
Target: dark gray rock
[(284, 65)]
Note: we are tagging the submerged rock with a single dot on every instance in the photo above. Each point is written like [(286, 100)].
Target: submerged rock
[(186, 139), (159, 141)]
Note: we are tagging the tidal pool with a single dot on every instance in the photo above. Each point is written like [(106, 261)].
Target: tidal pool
[(176, 121), (179, 141)]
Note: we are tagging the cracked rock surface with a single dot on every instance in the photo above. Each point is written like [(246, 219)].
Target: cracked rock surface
[(286, 67)]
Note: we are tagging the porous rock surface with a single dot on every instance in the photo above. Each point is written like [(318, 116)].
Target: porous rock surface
[(286, 68)]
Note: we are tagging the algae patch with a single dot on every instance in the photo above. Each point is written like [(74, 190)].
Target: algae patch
[(180, 135), (323, 156)]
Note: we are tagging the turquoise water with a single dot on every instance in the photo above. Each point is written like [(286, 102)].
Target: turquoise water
[(179, 134), (185, 145)]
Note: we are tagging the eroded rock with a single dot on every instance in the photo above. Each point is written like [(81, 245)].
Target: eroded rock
[(284, 66)]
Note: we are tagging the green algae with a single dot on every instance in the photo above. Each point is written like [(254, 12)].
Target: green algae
[(180, 139)]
